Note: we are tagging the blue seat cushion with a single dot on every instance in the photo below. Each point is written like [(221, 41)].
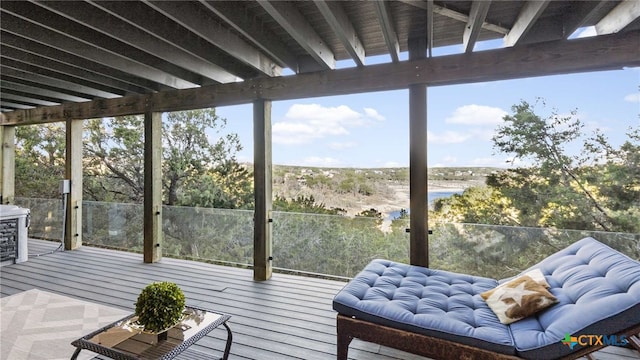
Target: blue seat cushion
[(431, 302), (598, 290)]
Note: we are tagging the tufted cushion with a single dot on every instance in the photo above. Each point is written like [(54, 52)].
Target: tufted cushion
[(430, 302), (598, 290)]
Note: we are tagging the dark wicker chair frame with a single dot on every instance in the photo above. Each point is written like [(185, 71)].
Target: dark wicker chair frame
[(349, 328)]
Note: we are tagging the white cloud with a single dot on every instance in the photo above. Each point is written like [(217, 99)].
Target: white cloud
[(393, 164), (483, 134), (448, 137), (304, 123), (373, 113), (635, 98), (342, 145), (476, 115), (321, 162)]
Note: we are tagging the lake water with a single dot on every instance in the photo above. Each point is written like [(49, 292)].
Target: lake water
[(431, 196)]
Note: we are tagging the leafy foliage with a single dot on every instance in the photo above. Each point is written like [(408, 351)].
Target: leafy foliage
[(596, 190), (114, 168), (40, 159), (196, 172), (303, 204), (160, 306)]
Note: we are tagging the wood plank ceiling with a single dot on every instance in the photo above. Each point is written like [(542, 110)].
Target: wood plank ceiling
[(59, 58)]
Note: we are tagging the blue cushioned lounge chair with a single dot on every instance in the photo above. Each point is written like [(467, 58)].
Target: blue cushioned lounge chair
[(441, 314)]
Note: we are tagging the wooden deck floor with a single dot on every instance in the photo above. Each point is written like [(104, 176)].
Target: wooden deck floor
[(287, 317)]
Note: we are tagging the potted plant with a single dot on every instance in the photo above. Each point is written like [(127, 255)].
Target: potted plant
[(159, 307)]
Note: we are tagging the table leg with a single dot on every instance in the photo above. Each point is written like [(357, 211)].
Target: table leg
[(75, 354), (227, 348)]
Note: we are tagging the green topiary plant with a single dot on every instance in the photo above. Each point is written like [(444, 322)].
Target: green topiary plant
[(160, 306)]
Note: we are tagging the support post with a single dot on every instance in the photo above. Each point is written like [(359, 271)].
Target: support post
[(262, 174), (73, 172), (152, 245), (419, 245), (7, 164)]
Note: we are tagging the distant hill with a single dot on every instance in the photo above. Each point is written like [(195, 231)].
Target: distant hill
[(358, 189)]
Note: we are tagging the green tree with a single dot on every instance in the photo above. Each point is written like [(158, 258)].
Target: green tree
[(114, 165), (477, 205), (40, 159), (196, 172), (596, 190), (228, 186), (618, 178), (303, 204), (543, 141)]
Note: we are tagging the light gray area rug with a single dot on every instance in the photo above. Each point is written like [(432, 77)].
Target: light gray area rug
[(39, 325)]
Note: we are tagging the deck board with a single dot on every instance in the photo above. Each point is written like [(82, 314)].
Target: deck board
[(287, 317)]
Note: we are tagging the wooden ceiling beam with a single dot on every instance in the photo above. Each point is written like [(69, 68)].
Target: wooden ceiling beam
[(477, 16), (26, 68), (9, 84), (452, 14), (339, 22), (47, 52), (58, 23), (31, 31), (251, 29), (96, 19), (9, 69), (14, 106), (195, 17), (66, 71), (430, 30), (388, 29), (576, 19), (528, 16), (290, 19), (622, 15), (605, 52), (27, 100), (146, 18)]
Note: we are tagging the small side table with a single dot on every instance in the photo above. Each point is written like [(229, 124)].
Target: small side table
[(120, 340)]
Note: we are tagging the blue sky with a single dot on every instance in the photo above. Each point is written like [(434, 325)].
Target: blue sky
[(372, 130)]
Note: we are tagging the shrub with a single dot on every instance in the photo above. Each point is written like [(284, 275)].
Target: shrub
[(160, 306)]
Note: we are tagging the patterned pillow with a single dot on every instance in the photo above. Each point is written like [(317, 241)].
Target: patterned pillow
[(535, 274), (538, 276), (518, 299)]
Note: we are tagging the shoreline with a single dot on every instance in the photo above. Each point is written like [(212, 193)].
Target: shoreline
[(439, 189), (400, 200)]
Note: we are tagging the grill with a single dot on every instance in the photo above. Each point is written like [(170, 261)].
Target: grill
[(9, 239), (14, 222)]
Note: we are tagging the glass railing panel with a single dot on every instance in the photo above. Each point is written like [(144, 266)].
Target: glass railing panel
[(45, 220), (208, 234), (113, 225), (503, 251), (321, 244), (335, 245)]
